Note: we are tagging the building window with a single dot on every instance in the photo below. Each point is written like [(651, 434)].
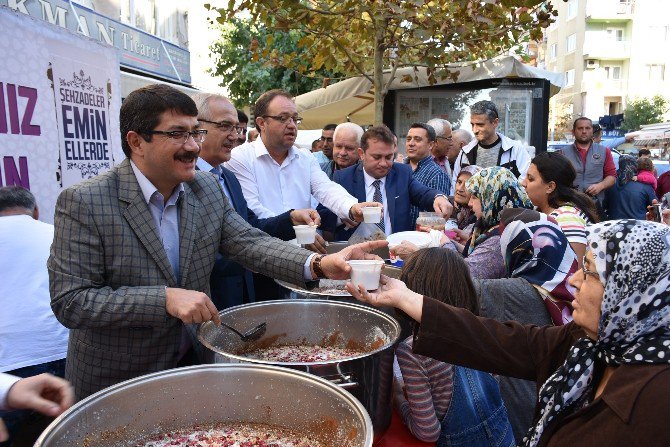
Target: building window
[(615, 34), (571, 43), (553, 51), (570, 78), (656, 72), (613, 72), (572, 9)]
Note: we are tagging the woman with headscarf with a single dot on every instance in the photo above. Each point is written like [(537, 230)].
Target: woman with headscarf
[(605, 377), (538, 262), (628, 199), (491, 191)]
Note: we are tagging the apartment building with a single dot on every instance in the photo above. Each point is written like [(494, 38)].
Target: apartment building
[(611, 52)]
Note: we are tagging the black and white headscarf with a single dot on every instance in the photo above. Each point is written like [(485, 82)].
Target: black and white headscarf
[(633, 260)]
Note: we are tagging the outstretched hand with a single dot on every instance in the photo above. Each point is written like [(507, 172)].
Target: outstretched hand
[(392, 292), (47, 394), (335, 266)]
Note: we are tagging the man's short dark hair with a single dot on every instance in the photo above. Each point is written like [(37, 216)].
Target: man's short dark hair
[(315, 143), (261, 106), (329, 127), (142, 108), (430, 130), (242, 117), (380, 133), (581, 118), (16, 197), (485, 107), (643, 152)]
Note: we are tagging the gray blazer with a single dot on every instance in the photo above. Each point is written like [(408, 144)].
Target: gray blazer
[(108, 271)]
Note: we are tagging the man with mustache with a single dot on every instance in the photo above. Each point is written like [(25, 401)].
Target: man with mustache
[(134, 248), (491, 148), (230, 283), (346, 141)]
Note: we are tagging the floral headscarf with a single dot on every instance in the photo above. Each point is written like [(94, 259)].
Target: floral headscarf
[(627, 169), (535, 248), (633, 261), (496, 188)]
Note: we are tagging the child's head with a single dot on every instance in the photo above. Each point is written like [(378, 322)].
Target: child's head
[(441, 274), (645, 164)]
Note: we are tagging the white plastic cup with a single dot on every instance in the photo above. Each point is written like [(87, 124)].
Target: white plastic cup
[(305, 234), (366, 273), (372, 214)]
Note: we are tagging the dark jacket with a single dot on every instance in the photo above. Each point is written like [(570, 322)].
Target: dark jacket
[(631, 411), (228, 279), (401, 192)]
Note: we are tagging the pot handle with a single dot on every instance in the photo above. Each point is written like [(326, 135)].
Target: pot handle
[(345, 381)]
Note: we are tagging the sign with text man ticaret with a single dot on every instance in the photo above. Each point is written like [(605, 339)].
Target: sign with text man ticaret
[(137, 49), (59, 108)]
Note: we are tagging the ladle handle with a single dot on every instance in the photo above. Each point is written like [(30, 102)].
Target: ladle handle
[(232, 329)]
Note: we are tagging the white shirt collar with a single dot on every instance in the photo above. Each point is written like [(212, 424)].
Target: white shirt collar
[(203, 165), (260, 150), (148, 188), (370, 179)]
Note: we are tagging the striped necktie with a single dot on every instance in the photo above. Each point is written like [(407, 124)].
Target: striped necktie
[(377, 197)]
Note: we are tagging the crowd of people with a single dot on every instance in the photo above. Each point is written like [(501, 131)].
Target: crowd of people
[(198, 216)]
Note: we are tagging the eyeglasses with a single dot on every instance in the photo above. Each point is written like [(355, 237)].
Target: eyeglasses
[(225, 126), (284, 119), (179, 136), (445, 138), (587, 271)]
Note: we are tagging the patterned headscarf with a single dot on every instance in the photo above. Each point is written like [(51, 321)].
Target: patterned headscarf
[(633, 261), (535, 248), (627, 169), (496, 188)]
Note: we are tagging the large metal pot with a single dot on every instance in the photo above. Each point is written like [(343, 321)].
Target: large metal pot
[(180, 398), (367, 376)]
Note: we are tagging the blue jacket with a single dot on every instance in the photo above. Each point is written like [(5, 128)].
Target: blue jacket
[(401, 192), (229, 278)]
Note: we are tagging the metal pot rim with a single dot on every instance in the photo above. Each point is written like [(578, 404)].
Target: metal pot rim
[(81, 405), (359, 307)]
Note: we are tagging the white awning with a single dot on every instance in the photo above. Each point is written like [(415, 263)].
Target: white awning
[(353, 98)]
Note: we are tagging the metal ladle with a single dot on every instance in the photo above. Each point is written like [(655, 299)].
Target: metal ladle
[(252, 334)]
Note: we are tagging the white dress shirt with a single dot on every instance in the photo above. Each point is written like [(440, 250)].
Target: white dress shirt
[(369, 194), (6, 382), (271, 189), (30, 334)]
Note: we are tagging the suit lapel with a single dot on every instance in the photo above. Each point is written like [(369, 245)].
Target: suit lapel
[(188, 208), (139, 218), (359, 184), (391, 193), (235, 193)]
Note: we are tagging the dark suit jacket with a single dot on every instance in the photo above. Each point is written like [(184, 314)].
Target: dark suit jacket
[(228, 277), (108, 271), (401, 192)]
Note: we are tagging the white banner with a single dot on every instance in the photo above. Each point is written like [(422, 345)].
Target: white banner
[(59, 108)]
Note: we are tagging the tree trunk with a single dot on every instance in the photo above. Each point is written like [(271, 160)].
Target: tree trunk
[(378, 75)]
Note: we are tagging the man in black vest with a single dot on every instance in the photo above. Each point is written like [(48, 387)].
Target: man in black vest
[(593, 162)]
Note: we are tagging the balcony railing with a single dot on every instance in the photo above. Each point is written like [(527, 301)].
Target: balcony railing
[(603, 48), (610, 10)]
